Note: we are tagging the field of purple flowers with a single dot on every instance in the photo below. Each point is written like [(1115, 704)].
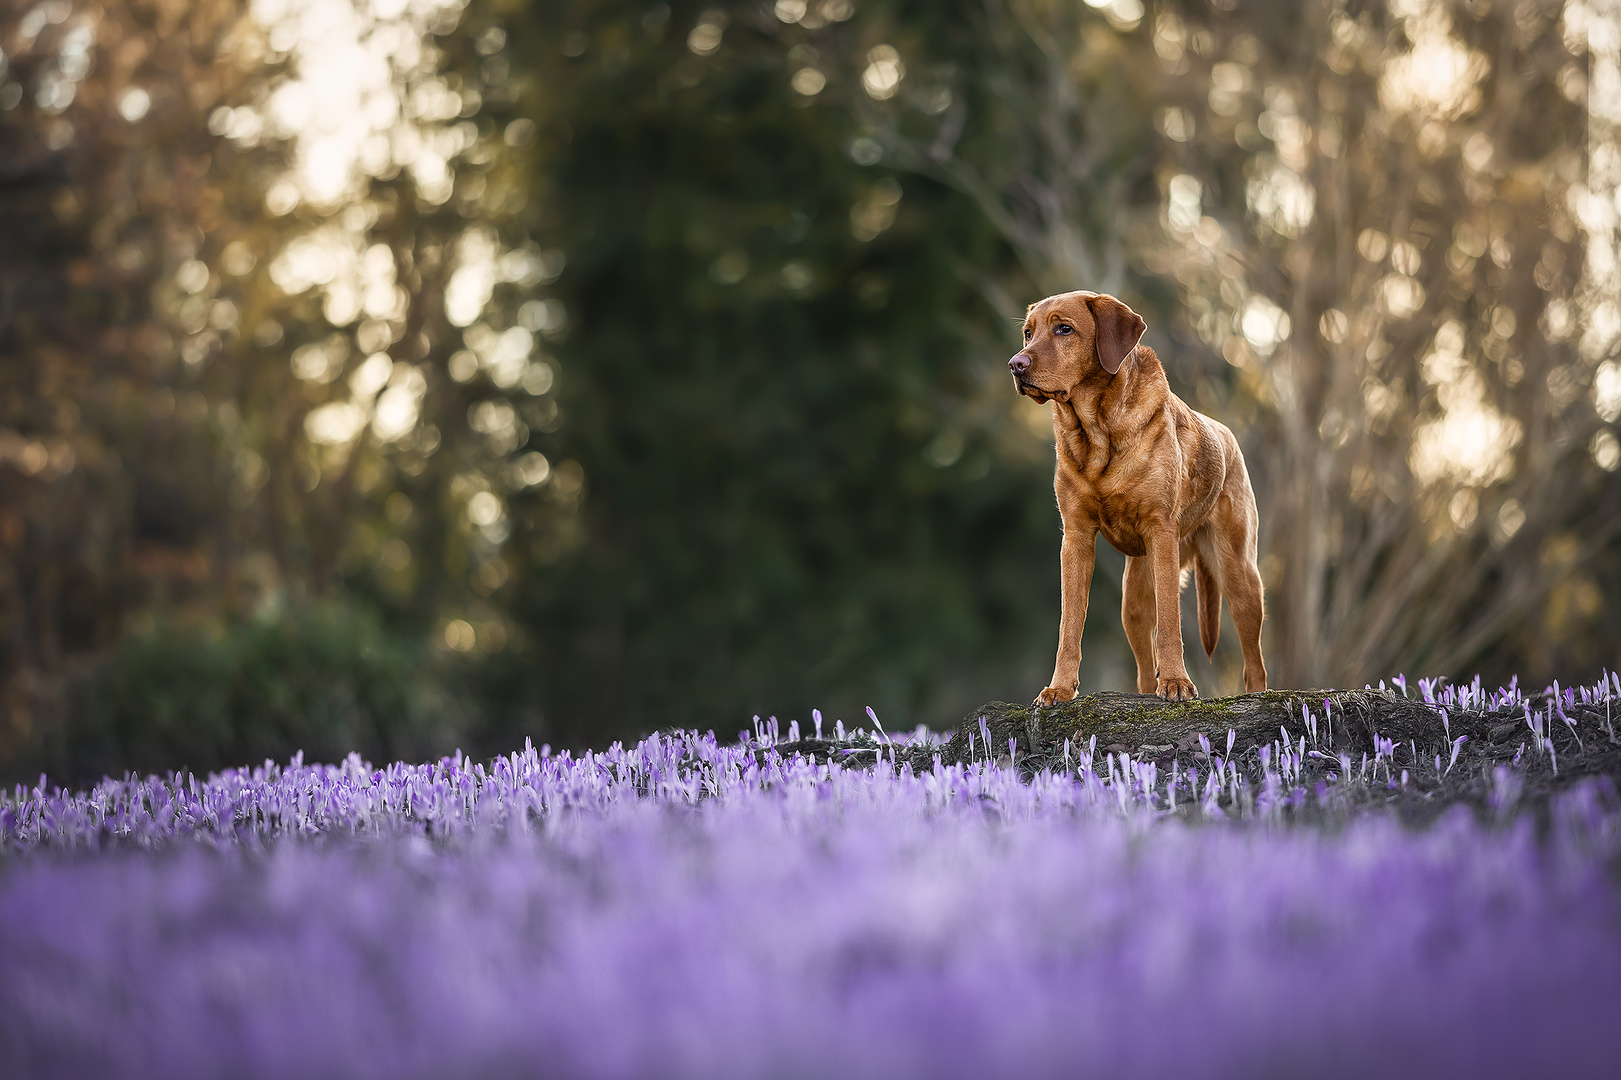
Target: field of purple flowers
[(687, 908)]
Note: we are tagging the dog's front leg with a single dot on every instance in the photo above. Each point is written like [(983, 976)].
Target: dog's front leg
[(1075, 570), (1173, 683)]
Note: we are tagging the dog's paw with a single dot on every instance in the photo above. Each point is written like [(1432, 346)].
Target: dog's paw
[(1176, 688), (1054, 696)]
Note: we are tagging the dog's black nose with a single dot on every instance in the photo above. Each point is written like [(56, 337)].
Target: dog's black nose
[(1019, 364)]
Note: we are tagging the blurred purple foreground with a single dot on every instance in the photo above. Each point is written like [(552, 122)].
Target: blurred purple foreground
[(685, 909)]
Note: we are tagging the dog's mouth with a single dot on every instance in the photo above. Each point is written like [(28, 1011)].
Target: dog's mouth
[(1038, 394)]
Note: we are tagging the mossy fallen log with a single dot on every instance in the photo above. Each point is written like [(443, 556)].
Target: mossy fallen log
[(1350, 747), (1149, 728), (1331, 721), (1553, 741)]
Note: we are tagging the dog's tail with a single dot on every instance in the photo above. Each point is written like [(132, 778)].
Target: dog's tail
[(1209, 593)]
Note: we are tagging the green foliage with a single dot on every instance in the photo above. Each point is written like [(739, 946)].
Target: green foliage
[(319, 678)]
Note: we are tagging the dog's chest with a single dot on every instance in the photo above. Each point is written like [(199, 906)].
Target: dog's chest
[(1118, 490), (1120, 518)]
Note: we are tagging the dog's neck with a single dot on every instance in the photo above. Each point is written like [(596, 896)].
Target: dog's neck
[(1088, 413)]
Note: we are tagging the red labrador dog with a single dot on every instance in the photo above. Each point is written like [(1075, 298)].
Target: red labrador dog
[(1165, 485)]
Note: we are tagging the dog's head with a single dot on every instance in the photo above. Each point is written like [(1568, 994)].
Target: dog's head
[(1070, 338)]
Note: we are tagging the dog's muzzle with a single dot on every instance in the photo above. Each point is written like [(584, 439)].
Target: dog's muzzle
[(1020, 366)]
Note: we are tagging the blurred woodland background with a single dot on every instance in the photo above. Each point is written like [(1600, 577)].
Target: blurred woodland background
[(397, 375)]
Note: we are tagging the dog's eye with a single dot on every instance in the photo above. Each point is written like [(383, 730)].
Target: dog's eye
[(1027, 334), (1063, 328)]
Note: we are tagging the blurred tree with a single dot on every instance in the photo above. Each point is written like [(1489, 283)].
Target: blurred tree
[(95, 442), (800, 487), (238, 266), (390, 359), (1426, 428)]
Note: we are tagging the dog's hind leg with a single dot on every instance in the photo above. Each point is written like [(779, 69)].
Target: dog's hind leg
[(1137, 615), (1240, 578), (1244, 597)]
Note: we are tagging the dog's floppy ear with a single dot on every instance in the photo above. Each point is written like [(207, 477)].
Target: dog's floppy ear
[(1118, 330)]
